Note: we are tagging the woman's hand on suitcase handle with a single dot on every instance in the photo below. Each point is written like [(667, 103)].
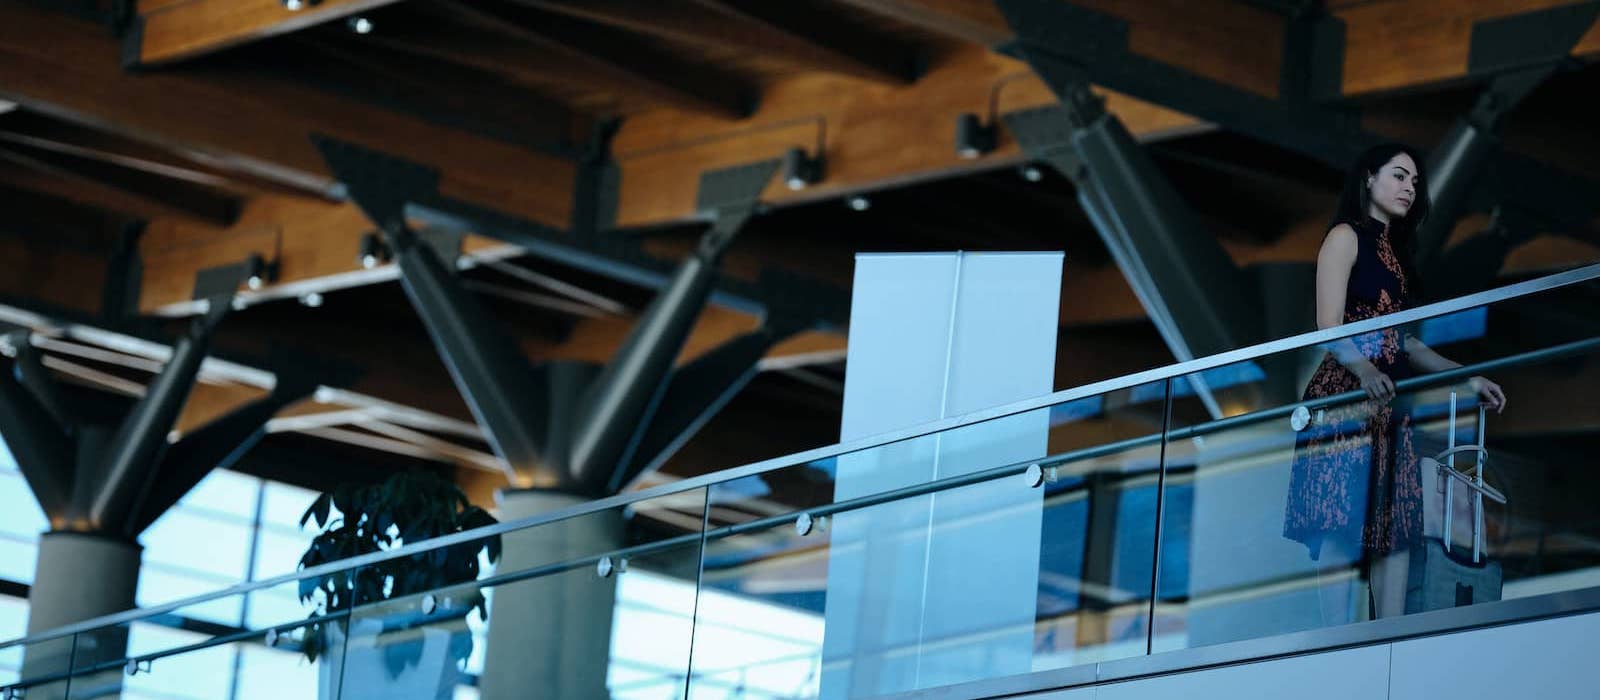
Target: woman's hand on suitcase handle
[(1489, 392), (1377, 384)]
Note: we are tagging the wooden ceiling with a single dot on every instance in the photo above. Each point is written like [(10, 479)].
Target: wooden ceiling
[(177, 133)]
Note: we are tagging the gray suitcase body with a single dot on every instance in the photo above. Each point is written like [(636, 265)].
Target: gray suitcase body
[(1444, 573)]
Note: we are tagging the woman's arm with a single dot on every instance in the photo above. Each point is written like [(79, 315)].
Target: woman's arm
[(1427, 360), (1334, 262)]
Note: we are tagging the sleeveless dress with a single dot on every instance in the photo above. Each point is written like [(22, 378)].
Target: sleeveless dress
[(1355, 477)]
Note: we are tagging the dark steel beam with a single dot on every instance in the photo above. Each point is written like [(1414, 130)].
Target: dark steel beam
[(694, 394), (39, 441), (1194, 294), (128, 467), (570, 424), (1095, 46), (216, 445), (619, 407), (502, 391), (1455, 163)]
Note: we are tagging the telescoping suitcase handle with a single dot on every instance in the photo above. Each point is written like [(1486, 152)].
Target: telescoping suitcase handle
[(1447, 465)]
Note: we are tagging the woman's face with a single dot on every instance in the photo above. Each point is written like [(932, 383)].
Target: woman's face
[(1393, 189)]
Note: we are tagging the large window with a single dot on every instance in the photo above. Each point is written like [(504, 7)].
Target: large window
[(228, 529)]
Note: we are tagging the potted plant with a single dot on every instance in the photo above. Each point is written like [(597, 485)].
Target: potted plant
[(412, 651)]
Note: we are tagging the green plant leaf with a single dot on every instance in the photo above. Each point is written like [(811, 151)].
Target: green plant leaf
[(317, 509)]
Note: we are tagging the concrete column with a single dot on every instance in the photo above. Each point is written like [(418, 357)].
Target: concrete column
[(79, 576), (551, 636)]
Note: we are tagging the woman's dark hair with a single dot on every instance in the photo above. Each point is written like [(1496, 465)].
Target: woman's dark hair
[(1355, 205)]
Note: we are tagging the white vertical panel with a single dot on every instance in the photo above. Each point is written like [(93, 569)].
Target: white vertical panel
[(983, 553), (939, 589), (1549, 660)]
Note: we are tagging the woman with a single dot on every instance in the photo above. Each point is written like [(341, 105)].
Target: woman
[(1355, 488)]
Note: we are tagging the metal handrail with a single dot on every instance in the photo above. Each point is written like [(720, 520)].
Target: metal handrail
[(1304, 340)]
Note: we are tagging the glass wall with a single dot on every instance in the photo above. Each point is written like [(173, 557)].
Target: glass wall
[(1261, 499)]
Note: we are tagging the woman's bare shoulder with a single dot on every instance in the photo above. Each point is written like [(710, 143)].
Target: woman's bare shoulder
[(1340, 244)]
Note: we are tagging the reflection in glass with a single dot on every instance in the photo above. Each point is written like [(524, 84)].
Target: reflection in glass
[(927, 578)]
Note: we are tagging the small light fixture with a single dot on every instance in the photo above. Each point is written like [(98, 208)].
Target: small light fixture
[(360, 25), (373, 251), (259, 272), (800, 169), (973, 137), (1032, 173), (859, 203), (294, 5), (311, 299)]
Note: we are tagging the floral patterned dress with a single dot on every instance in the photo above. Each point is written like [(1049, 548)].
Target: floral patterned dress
[(1355, 476)]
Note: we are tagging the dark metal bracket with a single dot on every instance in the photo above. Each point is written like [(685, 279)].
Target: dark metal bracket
[(1529, 39), (734, 187)]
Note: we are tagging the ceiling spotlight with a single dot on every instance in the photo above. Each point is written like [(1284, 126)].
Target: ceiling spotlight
[(800, 169), (373, 251), (311, 299), (360, 25), (859, 203), (1032, 173), (294, 5), (973, 137)]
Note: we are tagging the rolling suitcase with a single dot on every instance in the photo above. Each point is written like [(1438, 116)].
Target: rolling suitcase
[(1442, 574)]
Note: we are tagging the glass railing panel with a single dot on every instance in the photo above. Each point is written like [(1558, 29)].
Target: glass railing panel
[(188, 653), (935, 561), (1277, 520), (171, 663), (598, 605), (37, 670)]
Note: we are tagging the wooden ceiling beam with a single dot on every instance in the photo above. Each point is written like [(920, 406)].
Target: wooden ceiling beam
[(261, 122), (775, 29), (1401, 45), (112, 188), (62, 137), (169, 32), (546, 47), (826, 39), (873, 138), (444, 94), (974, 21)]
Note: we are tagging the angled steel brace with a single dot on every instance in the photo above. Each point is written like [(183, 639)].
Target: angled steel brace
[(128, 465), (575, 425), (1456, 162), (36, 379), (616, 257), (1197, 298), (488, 369), (40, 443), (1096, 45), (1474, 263), (619, 407), (216, 445), (696, 393)]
